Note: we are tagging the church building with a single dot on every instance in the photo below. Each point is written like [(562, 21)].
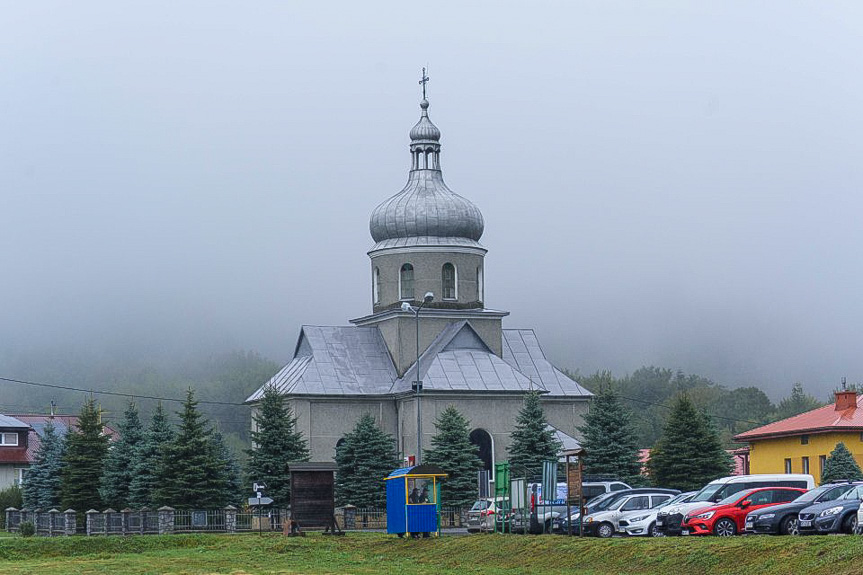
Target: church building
[(427, 287)]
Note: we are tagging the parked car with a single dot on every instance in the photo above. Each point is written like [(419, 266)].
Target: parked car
[(782, 519), (606, 523), (729, 515), (603, 502), (668, 520), (482, 515), (591, 489), (837, 516), (644, 523)]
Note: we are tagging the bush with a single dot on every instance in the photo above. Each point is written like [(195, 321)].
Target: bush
[(27, 529), (9, 497)]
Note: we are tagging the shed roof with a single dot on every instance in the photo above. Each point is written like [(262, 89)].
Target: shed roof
[(425, 469), (822, 420)]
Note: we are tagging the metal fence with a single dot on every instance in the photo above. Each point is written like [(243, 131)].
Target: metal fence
[(166, 520)]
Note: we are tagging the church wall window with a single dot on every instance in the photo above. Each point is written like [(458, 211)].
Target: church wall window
[(406, 282), (449, 281), (376, 286)]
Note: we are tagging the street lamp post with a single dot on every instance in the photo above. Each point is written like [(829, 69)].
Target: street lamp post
[(418, 384)]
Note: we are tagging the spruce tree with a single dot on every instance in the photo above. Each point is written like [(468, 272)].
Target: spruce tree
[(122, 460), (276, 443), (84, 461), (41, 485), (453, 452), (840, 464), (191, 475), (609, 439), (148, 458), (689, 453), (232, 481), (532, 440), (364, 458)]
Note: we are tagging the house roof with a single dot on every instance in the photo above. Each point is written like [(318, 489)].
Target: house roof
[(37, 423), (7, 422), (353, 360), (822, 420)]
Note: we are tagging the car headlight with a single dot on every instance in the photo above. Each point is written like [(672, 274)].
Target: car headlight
[(766, 516), (706, 515), (832, 511), (574, 516), (639, 518)]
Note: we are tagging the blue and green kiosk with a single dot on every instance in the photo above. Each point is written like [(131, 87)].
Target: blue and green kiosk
[(413, 500)]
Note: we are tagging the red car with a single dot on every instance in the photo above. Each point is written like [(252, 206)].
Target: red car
[(727, 517)]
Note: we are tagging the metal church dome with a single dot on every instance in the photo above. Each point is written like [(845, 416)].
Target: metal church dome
[(426, 207)]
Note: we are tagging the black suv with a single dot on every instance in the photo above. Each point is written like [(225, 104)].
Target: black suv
[(782, 519), (837, 516)]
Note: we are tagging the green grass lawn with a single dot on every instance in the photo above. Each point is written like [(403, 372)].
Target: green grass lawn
[(378, 553)]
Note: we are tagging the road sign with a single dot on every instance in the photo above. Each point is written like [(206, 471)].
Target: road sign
[(254, 501)]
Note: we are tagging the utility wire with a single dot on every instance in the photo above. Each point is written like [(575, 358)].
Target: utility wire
[(116, 393), (644, 401)]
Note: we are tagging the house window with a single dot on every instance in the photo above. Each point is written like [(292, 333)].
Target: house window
[(449, 283), (805, 465), (787, 466), (822, 461), (19, 475), (406, 282), (376, 286), (8, 439), (804, 440)]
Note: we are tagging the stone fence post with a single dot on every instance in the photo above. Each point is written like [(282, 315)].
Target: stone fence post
[(91, 521), (126, 512), (166, 520), (53, 513), (10, 514), (230, 519), (350, 516), (70, 525)]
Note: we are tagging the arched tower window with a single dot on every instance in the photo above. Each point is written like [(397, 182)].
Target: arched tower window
[(376, 286), (479, 285), (449, 281), (406, 282)]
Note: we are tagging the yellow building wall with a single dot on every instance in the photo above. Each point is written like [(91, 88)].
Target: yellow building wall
[(769, 455)]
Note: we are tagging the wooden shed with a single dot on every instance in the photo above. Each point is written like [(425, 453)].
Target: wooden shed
[(313, 495)]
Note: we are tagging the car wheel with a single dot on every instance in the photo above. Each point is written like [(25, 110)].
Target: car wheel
[(849, 525), (725, 528), (605, 530), (652, 532), (789, 526)]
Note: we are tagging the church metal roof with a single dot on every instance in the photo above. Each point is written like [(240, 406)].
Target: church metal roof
[(351, 361)]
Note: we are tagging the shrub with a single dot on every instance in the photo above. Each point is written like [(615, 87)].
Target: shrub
[(9, 497), (27, 529)]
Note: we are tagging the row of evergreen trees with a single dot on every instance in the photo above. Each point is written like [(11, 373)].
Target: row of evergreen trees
[(185, 466)]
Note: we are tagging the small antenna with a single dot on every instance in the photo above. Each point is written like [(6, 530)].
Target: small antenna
[(843, 384), (53, 406)]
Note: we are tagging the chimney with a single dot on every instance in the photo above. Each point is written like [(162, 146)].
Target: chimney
[(845, 399)]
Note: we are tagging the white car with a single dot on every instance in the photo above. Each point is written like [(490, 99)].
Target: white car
[(644, 522), (607, 522), (482, 515)]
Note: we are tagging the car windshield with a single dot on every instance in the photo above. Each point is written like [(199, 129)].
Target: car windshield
[(824, 493), (707, 492), (607, 503), (682, 498), (597, 499), (735, 496), (480, 505)]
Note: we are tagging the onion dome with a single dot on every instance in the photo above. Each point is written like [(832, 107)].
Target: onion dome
[(426, 210)]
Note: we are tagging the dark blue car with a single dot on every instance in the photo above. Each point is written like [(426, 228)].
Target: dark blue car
[(837, 516)]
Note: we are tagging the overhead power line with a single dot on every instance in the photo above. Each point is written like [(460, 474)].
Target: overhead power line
[(644, 401), (116, 393)]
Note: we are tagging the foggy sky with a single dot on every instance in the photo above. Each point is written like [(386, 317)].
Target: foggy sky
[(663, 183)]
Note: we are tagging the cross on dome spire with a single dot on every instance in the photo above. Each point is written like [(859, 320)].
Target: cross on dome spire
[(424, 81)]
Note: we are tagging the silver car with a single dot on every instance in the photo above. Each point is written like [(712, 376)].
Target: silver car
[(607, 522), (644, 522)]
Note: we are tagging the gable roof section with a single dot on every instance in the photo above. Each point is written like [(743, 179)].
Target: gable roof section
[(8, 422), (335, 360), (521, 350), (821, 420)]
